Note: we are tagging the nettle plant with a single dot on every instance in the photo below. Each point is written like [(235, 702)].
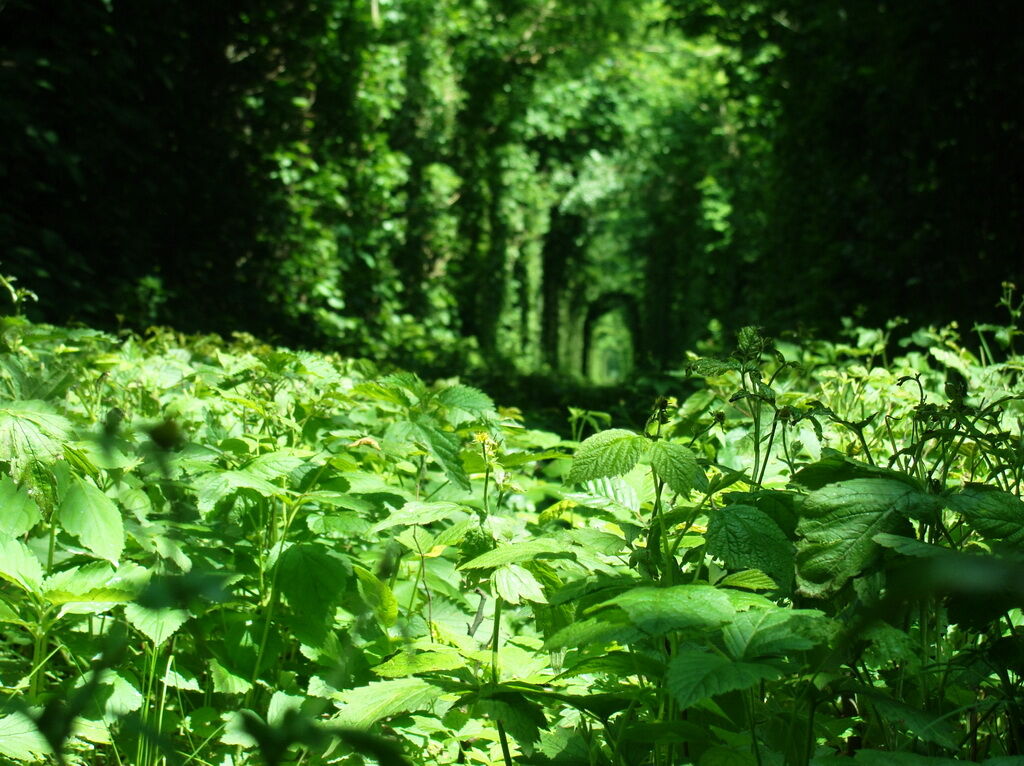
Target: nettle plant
[(227, 553)]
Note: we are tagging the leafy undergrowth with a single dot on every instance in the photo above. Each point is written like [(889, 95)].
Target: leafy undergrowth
[(223, 553)]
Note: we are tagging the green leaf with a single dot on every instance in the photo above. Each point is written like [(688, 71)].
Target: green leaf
[(18, 511), (415, 512), (313, 583), (517, 552), (93, 518), (750, 579), (745, 538), (465, 403), (179, 678), (368, 704), (444, 446), (840, 522), (656, 611), (835, 467), (21, 740), (694, 675), (90, 584), (156, 624), (31, 430), (773, 633), (378, 595), (676, 465), (609, 453), (409, 663), (996, 515), (20, 566), (522, 718), (214, 486), (226, 682), (515, 584)]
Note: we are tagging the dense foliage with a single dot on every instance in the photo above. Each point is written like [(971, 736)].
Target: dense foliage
[(223, 552), (445, 183)]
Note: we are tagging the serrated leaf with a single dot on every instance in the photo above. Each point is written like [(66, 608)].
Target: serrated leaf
[(87, 584), (366, 705), (608, 453), (378, 595), (21, 740), (751, 579), (416, 513), (694, 675), (656, 611), (214, 486), (515, 584), (279, 706), (676, 465), (31, 430), (840, 522), (744, 537), (226, 682), (20, 566), (156, 624), (465, 403), (18, 511), (179, 678), (522, 718), (444, 446), (409, 663), (313, 582), (772, 633), (519, 552), (7, 614), (996, 515), (93, 518)]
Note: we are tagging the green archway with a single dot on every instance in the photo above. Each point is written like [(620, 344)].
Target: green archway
[(609, 339)]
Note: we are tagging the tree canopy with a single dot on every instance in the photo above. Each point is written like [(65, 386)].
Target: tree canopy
[(438, 182)]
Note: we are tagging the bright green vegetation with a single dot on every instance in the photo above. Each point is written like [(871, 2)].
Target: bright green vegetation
[(222, 553)]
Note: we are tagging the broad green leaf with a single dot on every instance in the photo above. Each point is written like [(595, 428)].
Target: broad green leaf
[(156, 624), (519, 552), (465, 403), (773, 633), (694, 675), (313, 582), (89, 584), (31, 430), (124, 697), (908, 546), (444, 446), (214, 486), (415, 512), (835, 467), (7, 614), (676, 465), (179, 678), (226, 682), (840, 522), (751, 579), (280, 704), (995, 514), (18, 511), (522, 718), (93, 518), (515, 584), (378, 595), (610, 626), (930, 727), (410, 663), (21, 740), (20, 566), (274, 465), (656, 611), (366, 705), (609, 453), (745, 538)]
